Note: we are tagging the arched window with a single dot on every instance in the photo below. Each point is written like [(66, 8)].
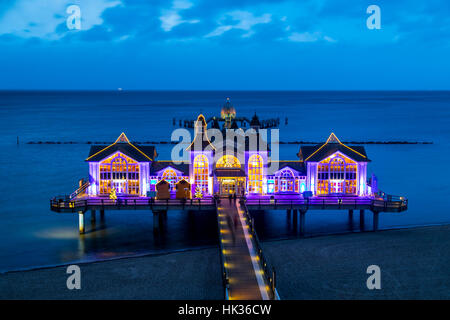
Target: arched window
[(286, 181), (121, 173), (171, 177), (201, 172), (255, 174), (228, 161), (336, 175)]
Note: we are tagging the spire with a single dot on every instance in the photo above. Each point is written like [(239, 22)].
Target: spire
[(254, 123), (333, 139), (122, 138)]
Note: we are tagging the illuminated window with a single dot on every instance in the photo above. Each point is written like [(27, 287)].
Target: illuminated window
[(336, 175), (255, 174), (120, 172), (286, 181), (228, 161), (201, 172), (171, 177)]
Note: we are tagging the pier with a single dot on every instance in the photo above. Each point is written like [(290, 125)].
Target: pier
[(246, 275), (246, 272)]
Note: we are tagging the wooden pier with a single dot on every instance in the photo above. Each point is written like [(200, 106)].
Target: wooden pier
[(245, 271)]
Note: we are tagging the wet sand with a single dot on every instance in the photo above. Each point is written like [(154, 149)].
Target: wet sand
[(192, 274), (415, 264)]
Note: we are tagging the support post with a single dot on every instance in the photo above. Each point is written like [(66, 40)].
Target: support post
[(302, 222), (361, 220), (92, 215), (350, 219), (375, 220), (155, 221), (288, 219), (294, 222), (81, 222), (102, 215)]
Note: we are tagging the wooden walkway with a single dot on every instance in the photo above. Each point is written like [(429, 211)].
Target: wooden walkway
[(245, 277)]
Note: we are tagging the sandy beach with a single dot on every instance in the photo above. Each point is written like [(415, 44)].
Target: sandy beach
[(414, 265)]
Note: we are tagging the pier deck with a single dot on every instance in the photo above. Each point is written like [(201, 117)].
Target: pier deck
[(328, 203), (130, 203), (244, 275)]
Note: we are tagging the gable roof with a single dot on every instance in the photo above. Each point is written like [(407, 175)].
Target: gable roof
[(163, 164), (122, 144), (331, 146), (298, 166)]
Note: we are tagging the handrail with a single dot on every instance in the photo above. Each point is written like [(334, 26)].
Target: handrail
[(268, 269), (79, 190), (391, 202), (225, 278), (65, 202)]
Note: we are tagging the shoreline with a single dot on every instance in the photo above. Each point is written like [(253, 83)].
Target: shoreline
[(167, 252), (414, 264)]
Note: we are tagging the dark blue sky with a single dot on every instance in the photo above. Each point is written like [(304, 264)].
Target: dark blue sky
[(218, 44)]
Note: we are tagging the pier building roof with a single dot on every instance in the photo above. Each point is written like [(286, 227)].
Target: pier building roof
[(159, 165), (331, 146), (122, 144)]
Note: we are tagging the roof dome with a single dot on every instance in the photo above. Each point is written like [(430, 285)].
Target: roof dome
[(228, 110)]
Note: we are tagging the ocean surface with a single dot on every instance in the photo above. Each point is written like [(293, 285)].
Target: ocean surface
[(31, 235)]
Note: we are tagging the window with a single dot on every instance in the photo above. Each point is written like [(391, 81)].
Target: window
[(201, 172), (286, 181), (120, 172), (255, 174), (336, 175), (228, 161), (171, 177)]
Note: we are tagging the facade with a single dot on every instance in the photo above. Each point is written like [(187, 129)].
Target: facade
[(327, 169)]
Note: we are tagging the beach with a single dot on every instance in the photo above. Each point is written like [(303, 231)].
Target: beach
[(414, 264)]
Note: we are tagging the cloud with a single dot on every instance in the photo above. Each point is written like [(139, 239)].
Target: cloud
[(309, 37), (245, 20), (41, 18), (172, 18)]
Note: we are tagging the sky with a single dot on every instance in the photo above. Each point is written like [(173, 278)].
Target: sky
[(224, 45)]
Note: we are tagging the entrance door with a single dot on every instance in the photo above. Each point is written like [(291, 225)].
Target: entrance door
[(336, 186), (120, 186), (227, 186)]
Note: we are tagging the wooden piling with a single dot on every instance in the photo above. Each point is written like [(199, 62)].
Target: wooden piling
[(375, 220), (156, 222), (81, 222), (350, 219), (302, 222), (295, 221), (361, 220)]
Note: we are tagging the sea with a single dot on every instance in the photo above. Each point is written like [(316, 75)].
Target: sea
[(32, 236)]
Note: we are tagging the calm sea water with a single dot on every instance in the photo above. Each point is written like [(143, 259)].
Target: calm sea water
[(31, 235)]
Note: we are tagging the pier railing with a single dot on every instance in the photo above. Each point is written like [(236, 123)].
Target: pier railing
[(389, 203), (225, 277), (268, 269), (80, 190), (64, 204)]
